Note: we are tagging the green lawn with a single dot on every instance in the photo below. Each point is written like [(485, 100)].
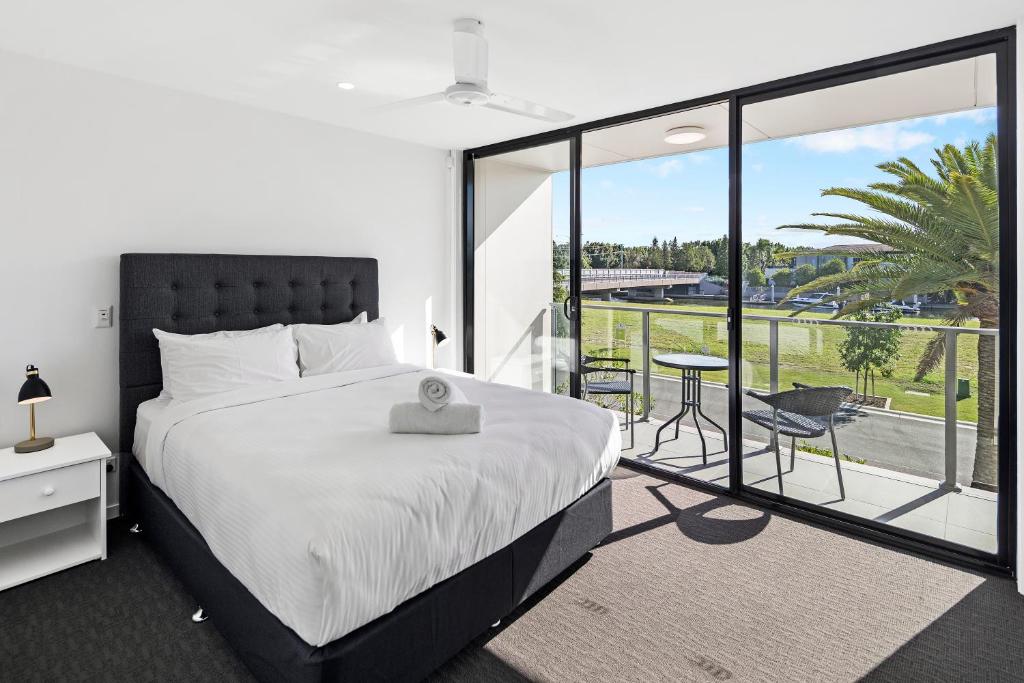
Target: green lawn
[(807, 354)]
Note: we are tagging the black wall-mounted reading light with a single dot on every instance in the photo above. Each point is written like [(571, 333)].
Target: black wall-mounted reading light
[(440, 339)]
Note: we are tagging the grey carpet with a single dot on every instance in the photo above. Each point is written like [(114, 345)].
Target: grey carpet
[(689, 587)]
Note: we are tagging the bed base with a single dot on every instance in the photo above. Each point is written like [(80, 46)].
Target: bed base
[(404, 645)]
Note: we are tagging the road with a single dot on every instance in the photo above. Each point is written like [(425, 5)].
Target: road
[(910, 444)]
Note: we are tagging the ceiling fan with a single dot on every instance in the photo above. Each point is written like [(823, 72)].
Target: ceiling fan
[(470, 87)]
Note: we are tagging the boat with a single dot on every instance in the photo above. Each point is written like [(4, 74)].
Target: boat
[(901, 306), (817, 299)]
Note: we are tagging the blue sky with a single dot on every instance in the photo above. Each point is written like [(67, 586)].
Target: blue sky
[(686, 195)]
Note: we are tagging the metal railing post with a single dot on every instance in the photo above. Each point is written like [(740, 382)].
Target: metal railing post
[(773, 356), (646, 323), (950, 432)]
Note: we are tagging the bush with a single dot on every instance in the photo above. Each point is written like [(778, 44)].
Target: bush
[(832, 267), (755, 278), (783, 278), (804, 274)]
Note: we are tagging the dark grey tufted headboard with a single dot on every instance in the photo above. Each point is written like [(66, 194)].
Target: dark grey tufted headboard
[(196, 293)]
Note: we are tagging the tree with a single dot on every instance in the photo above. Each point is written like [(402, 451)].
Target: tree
[(720, 249), (679, 260), (804, 274), (865, 349), (944, 236), (703, 259), (674, 255), (654, 255), (559, 263), (603, 255), (756, 278), (760, 254), (695, 258), (783, 278), (832, 267)]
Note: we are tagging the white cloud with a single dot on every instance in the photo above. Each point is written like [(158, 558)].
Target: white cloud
[(693, 209), (974, 115), (757, 167), (697, 158), (668, 167), (885, 137)]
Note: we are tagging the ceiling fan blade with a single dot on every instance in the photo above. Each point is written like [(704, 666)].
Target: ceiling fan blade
[(413, 102), (514, 105), (469, 48)]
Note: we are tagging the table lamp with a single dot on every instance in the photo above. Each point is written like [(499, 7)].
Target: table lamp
[(440, 339), (33, 391)]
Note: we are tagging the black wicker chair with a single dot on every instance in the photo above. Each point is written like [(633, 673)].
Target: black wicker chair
[(606, 386), (793, 414)]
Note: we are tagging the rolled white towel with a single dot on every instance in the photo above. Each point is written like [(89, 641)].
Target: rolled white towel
[(456, 418), (437, 392)]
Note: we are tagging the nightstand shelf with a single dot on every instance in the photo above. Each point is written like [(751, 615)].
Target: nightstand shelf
[(52, 509), (43, 555)]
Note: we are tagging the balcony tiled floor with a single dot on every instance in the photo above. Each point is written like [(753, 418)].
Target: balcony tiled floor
[(967, 517)]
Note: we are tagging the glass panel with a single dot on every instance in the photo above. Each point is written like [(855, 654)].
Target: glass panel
[(871, 247), (655, 255), (522, 336)]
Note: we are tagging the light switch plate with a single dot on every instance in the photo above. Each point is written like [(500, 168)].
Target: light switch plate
[(103, 316)]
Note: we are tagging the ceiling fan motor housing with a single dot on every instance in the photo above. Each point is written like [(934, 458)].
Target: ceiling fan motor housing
[(470, 87), (467, 94)]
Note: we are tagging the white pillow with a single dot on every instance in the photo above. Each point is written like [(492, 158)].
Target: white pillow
[(335, 348), (202, 364), (165, 393), (360, 319)]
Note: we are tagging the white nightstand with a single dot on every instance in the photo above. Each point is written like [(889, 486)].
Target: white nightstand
[(53, 508)]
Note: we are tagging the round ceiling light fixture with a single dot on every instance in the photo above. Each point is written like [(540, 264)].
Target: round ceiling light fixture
[(345, 85), (685, 135)]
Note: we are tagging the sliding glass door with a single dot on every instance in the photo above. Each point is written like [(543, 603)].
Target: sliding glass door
[(871, 239), (654, 286), (800, 292), (522, 285)]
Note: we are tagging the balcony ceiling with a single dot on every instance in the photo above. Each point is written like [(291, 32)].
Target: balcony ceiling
[(593, 59), (942, 89)]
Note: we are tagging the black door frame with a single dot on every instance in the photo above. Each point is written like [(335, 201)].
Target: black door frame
[(574, 140), (1000, 42)]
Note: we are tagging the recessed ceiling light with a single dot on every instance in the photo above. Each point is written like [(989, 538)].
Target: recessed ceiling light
[(684, 135), (345, 85)]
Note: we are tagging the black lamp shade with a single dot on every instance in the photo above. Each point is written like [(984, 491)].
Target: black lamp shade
[(439, 337), (34, 390)]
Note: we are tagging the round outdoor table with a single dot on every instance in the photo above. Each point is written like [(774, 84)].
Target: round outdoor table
[(691, 365)]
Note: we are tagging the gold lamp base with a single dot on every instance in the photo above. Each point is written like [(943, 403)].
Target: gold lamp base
[(33, 445)]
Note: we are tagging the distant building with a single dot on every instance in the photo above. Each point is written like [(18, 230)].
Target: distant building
[(843, 253)]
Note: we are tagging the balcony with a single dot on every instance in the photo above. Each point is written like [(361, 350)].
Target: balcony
[(901, 468)]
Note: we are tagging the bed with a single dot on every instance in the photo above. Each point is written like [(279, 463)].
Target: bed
[(322, 547)]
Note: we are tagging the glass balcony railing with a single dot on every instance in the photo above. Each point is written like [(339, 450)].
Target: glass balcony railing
[(905, 437)]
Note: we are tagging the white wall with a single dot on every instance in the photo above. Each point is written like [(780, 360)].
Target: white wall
[(92, 166), (512, 293)]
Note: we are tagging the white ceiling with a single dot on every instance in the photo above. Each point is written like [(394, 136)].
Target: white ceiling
[(594, 59)]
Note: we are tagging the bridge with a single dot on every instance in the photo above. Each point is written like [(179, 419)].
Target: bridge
[(652, 281)]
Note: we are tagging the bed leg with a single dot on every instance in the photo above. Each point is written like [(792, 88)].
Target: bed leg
[(135, 529), (200, 616)]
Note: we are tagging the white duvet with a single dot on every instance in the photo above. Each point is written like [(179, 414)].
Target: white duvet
[(330, 521)]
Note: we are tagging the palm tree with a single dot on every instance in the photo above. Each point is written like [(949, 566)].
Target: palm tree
[(942, 235)]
